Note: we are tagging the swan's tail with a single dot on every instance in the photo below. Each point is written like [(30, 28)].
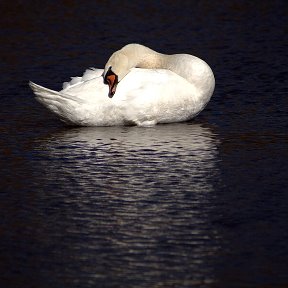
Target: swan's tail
[(61, 104)]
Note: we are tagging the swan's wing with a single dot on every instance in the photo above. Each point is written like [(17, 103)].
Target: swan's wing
[(88, 75), (143, 96), (87, 105), (61, 104), (156, 95)]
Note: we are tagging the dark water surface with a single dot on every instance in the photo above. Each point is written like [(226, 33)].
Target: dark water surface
[(197, 204)]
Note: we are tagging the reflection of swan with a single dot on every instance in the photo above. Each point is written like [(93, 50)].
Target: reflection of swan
[(142, 197), (185, 137), (175, 88), (126, 155)]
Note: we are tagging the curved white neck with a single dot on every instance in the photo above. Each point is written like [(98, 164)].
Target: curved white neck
[(144, 57), (189, 67)]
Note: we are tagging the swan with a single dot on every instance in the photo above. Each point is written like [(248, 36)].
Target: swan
[(138, 86)]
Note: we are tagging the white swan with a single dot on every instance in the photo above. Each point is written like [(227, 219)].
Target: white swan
[(172, 88)]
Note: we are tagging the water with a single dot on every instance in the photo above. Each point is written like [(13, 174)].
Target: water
[(197, 204)]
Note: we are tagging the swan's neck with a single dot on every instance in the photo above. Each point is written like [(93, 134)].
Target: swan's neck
[(143, 57), (189, 67)]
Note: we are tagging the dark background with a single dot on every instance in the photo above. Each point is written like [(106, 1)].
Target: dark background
[(245, 44)]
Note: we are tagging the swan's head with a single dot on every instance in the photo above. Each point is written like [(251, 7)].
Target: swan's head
[(115, 70), (111, 79)]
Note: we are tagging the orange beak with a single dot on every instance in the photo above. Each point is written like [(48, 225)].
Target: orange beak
[(111, 80)]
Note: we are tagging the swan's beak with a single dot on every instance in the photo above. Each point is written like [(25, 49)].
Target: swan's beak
[(112, 80)]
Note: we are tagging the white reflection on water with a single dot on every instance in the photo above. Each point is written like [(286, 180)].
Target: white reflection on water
[(133, 200), (116, 156)]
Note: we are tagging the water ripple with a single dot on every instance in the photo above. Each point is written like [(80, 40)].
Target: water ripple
[(130, 203)]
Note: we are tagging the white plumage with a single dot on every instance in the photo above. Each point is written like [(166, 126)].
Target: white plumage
[(144, 97)]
